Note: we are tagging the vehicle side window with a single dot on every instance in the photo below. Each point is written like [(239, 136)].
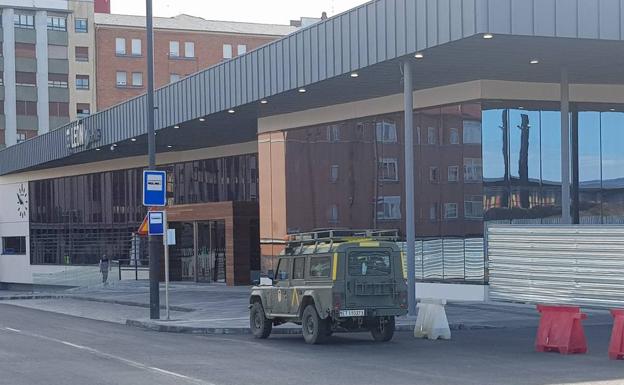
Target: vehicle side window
[(299, 268), (320, 267), (283, 268)]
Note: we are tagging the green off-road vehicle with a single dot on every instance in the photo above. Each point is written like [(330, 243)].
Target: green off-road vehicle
[(333, 281)]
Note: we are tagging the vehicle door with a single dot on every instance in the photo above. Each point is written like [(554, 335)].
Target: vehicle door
[(297, 284), (281, 286), (370, 278)]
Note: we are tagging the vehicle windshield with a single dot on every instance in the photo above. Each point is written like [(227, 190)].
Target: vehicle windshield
[(367, 263)]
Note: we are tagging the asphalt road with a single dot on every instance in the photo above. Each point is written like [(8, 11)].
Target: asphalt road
[(45, 348)]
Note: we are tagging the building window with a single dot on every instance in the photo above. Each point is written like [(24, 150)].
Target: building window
[(27, 50), (433, 212), (82, 53), (189, 49), (122, 79), (174, 49), (21, 137), (120, 46), (26, 108), (59, 109), (25, 79), (472, 132), (227, 51), (389, 208), (82, 82), (83, 110), (137, 79), (434, 175), (14, 245), (473, 206), (136, 47), (241, 49), (453, 173), (386, 132), (473, 170), (333, 133), (24, 20), (333, 173), (58, 80), (174, 78), (333, 214), (450, 210), (81, 26), (57, 23), (432, 137), (454, 136), (57, 52), (388, 170)]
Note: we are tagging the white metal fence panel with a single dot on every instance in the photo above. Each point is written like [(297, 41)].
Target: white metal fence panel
[(449, 259), (565, 264)]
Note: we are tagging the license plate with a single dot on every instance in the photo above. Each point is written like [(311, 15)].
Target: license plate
[(352, 313)]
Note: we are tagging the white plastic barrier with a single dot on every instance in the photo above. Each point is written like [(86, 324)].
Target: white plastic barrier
[(431, 321)]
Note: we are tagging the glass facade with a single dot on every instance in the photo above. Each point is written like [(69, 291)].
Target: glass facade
[(351, 173), (77, 219), (474, 162), (522, 163)]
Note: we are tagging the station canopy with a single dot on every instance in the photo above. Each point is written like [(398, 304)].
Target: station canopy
[(459, 40)]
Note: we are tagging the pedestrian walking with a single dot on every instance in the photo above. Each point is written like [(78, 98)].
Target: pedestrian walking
[(104, 268)]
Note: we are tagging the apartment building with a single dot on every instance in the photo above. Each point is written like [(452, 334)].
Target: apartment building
[(183, 45), (47, 49)]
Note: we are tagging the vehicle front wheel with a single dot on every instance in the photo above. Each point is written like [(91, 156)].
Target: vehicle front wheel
[(382, 328), (314, 328), (260, 326)]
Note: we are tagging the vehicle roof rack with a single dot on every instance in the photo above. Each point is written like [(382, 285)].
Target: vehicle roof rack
[(296, 242)]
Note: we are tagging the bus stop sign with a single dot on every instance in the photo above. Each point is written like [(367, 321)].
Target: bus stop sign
[(154, 188), (156, 222)]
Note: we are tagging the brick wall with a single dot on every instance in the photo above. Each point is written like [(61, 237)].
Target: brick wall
[(208, 51)]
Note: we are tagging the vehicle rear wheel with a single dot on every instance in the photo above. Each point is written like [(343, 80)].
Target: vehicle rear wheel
[(382, 328), (260, 326), (314, 328)]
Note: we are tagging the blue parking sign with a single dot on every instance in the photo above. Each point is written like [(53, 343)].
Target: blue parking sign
[(156, 222), (154, 188)]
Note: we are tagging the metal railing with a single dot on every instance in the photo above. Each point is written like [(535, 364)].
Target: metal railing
[(134, 265), (449, 260)]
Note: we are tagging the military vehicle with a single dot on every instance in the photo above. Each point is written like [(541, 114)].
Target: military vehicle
[(333, 281)]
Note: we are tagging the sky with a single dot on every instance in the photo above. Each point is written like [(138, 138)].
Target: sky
[(262, 11)]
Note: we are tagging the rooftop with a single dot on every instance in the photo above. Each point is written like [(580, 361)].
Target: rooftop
[(194, 23)]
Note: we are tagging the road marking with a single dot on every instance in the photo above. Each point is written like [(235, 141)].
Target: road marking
[(126, 361)]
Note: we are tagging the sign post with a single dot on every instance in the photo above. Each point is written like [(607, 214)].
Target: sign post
[(155, 195), (154, 247), (166, 244)]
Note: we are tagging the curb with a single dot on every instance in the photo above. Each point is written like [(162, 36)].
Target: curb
[(92, 299), (30, 296), (164, 328), (128, 303)]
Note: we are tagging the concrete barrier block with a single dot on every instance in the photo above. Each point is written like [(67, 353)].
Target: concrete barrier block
[(431, 321)]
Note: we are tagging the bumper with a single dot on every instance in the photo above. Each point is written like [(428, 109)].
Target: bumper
[(376, 312)]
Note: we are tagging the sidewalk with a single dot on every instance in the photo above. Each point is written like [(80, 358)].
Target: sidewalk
[(218, 309)]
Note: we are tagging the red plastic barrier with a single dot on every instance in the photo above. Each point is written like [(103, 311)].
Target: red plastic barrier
[(616, 347), (560, 330)]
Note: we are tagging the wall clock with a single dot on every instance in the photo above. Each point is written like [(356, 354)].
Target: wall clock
[(22, 201)]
